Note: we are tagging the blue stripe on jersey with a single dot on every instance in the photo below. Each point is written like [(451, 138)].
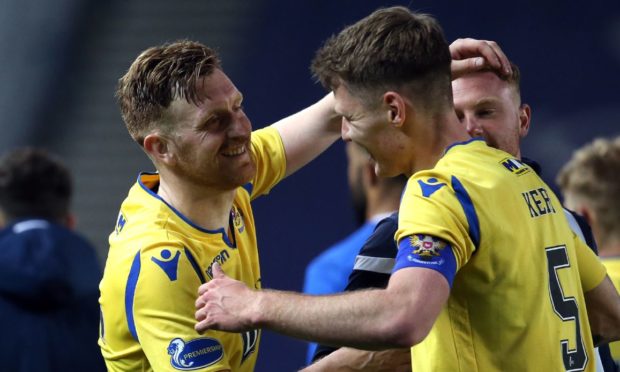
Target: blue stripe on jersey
[(101, 329), (195, 265), (470, 211), (249, 187), (130, 292), (463, 143), (441, 260)]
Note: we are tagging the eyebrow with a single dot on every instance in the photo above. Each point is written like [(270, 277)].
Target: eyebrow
[(486, 101), (236, 99)]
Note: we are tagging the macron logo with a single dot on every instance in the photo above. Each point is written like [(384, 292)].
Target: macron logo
[(429, 187)]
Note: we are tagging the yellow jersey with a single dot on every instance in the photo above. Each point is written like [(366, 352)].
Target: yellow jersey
[(157, 260), (499, 236)]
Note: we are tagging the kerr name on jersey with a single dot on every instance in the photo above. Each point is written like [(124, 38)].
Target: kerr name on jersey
[(538, 202)]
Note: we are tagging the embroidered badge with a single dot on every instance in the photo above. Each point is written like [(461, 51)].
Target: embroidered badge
[(194, 354), (426, 247), (237, 218)]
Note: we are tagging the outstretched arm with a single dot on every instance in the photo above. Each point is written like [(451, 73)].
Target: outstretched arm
[(372, 319), (309, 132)]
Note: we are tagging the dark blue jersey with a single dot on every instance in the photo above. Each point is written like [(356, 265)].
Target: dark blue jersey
[(49, 279)]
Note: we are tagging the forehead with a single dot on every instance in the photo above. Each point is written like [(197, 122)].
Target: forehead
[(345, 102), (472, 88), (216, 92), (217, 88)]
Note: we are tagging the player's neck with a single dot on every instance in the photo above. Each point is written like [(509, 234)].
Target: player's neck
[(433, 138), (381, 202), (205, 207), (611, 248)]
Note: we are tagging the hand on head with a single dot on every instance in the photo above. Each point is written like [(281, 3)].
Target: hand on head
[(469, 55)]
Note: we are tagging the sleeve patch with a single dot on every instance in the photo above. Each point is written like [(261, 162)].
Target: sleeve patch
[(430, 186), (168, 263), (426, 251), (194, 354)]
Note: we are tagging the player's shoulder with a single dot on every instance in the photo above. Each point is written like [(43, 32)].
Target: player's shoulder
[(381, 242)]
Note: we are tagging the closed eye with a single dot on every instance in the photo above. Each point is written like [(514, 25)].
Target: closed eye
[(485, 113)]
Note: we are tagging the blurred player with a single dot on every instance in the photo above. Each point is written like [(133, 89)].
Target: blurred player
[(373, 199), (591, 187), (174, 225), (49, 275), (456, 281)]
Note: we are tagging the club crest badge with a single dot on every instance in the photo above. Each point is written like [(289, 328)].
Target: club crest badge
[(237, 219), (426, 247)]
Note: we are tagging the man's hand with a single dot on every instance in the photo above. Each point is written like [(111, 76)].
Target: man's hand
[(224, 304), (470, 55)]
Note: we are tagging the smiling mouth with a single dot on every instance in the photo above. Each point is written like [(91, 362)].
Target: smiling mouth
[(234, 151)]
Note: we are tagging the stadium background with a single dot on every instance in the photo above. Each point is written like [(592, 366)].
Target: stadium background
[(61, 60)]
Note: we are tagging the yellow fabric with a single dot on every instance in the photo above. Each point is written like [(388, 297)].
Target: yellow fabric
[(174, 258), (613, 270), (499, 315)]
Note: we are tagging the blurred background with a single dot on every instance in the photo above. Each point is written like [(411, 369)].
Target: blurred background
[(61, 61)]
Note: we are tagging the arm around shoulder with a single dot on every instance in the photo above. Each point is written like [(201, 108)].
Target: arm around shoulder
[(309, 132)]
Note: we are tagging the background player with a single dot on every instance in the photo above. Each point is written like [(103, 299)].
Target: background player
[(49, 274), (373, 199), (590, 185)]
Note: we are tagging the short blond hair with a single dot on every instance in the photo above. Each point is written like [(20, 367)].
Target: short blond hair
[(591, 176)]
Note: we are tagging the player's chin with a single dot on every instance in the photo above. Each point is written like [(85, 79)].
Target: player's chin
[(243, 174), (384, 170)]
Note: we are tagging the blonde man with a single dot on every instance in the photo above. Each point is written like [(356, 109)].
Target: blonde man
[(591, 188)]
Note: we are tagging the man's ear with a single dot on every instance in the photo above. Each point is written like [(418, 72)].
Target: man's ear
[(159, 148), (369, 176), (525, 117), (396, 108), (587, 214), (70, 221)]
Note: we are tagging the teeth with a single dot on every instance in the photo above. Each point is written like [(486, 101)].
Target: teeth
[(235, 151)]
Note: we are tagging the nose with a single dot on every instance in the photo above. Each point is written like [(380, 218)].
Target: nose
[(473, 127), (241, 127), (344, 130)]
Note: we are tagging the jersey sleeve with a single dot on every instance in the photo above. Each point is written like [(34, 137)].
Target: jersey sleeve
[(372, 268), (159, 301), (438, 226), (270, 159), (375, 260), (591, 269)]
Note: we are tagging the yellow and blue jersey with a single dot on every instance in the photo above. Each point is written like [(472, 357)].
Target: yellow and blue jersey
[(499, 236), (157, 260)]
